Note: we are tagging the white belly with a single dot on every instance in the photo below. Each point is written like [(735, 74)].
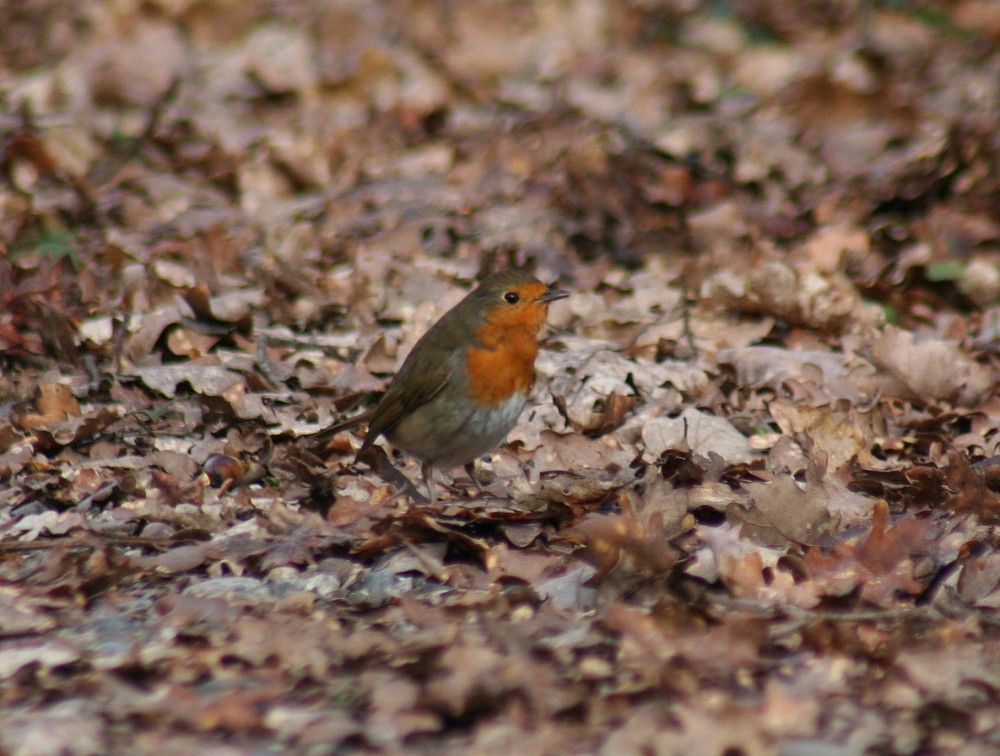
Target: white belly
[(458, 437)]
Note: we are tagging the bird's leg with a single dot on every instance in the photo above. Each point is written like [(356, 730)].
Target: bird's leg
[(472, 472), (482, 478), (426, 472), (377, 460)]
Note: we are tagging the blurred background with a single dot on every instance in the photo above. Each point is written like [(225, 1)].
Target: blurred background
[(317, 146)]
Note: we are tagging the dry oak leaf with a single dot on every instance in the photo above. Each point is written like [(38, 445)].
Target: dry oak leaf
[(135, 68), (55, 403), (588, 372), (951, 670), (748, 570), (636, 543), (701, 432), (829, 244), (21, 615), (881, 563), (929, 369), (280, 57), (803, 297), (51, 522), (75, 430), (46, 654), (837, 437), (832, 375), (979, 580), (209, 380), (73, 726), (797, 514)]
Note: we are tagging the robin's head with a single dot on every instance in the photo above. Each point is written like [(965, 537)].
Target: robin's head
[(513, 300)]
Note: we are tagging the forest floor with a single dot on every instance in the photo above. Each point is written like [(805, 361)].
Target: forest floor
[(752, 505)]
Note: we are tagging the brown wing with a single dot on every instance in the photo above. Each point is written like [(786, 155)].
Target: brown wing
[(424, 374), (319, 439), (434, 361)]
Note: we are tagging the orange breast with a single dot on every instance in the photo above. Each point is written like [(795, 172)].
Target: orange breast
[(509, 368), (503, 361)]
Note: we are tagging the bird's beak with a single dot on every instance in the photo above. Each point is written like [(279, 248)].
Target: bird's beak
[(552, 295)]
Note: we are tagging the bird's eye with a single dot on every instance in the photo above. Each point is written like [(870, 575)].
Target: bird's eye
[(511, 297)]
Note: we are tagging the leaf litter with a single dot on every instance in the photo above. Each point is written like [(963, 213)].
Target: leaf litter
[(752, 505)]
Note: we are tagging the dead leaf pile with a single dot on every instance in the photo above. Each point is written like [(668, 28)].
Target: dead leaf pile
[(752, 506)]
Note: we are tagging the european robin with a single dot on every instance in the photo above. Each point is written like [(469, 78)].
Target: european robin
[(464, 384)]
